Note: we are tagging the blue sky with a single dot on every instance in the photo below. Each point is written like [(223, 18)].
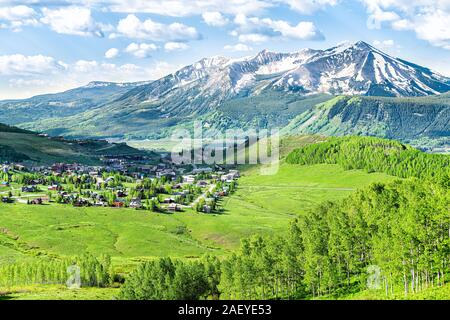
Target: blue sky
[(53, 45)]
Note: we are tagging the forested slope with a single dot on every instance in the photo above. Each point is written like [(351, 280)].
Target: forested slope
[(423, 122), (391, 238), (375, 155)]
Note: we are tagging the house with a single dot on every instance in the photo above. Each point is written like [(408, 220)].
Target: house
[(165, 173), (174, 207), (190, 179), (202, 183), (147, 169), (234, 173), (169, 200), (202, 170), (19, 167), (81, 203), (100, 197), (121, 194), (59, 167), (37, 201), (29, 189), (54, 187), (230, 176), (136, 203), (118, 204), (5, 200)]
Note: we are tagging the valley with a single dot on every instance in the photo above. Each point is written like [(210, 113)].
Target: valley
[(133, 236), (88, 181)]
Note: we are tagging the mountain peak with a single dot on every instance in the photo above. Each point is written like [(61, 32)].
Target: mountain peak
[(362, 44), (94, 84), (358, 45), (264, 53)]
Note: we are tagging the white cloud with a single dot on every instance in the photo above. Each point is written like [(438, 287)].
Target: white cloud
[(258, 30), (309, 6), (239, 47), (74, 21), (387, 43), (141, 50), (183, 8), (18, 64), (16, 13), (215, 19), (162, 68), (133, 27), (111, 53), (17, 16), (253, 37), (434, 26), (304, 30), (22, 76), (175, 46), (429, 19)]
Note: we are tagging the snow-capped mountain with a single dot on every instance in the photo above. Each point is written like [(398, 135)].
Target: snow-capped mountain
[(268, 89), (348, 69), (104, 84), (360, 69)]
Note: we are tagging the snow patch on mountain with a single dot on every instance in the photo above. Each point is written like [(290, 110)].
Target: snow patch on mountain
[(347, 69)]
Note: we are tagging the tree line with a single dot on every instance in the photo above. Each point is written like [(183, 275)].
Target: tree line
[(93, 271), (375, 155)]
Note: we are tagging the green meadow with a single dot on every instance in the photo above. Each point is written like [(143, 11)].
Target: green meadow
[(58, 292), (262, 205)]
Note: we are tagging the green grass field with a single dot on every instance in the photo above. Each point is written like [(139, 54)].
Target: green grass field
[(431, 293), (262, 204), (58, 292)]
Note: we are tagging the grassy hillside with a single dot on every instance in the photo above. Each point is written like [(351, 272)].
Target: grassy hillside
[(130, 235), (17, 145)]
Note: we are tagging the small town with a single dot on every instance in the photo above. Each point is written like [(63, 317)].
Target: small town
[(119, 183)]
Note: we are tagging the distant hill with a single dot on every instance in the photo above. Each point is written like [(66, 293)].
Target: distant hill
[(64, 104), (423, 122), (7, 128), (17, 145)]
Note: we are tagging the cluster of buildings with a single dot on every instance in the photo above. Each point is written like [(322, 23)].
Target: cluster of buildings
[(200, 177)]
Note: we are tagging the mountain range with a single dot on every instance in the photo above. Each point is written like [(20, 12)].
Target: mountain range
[(348, 89)]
